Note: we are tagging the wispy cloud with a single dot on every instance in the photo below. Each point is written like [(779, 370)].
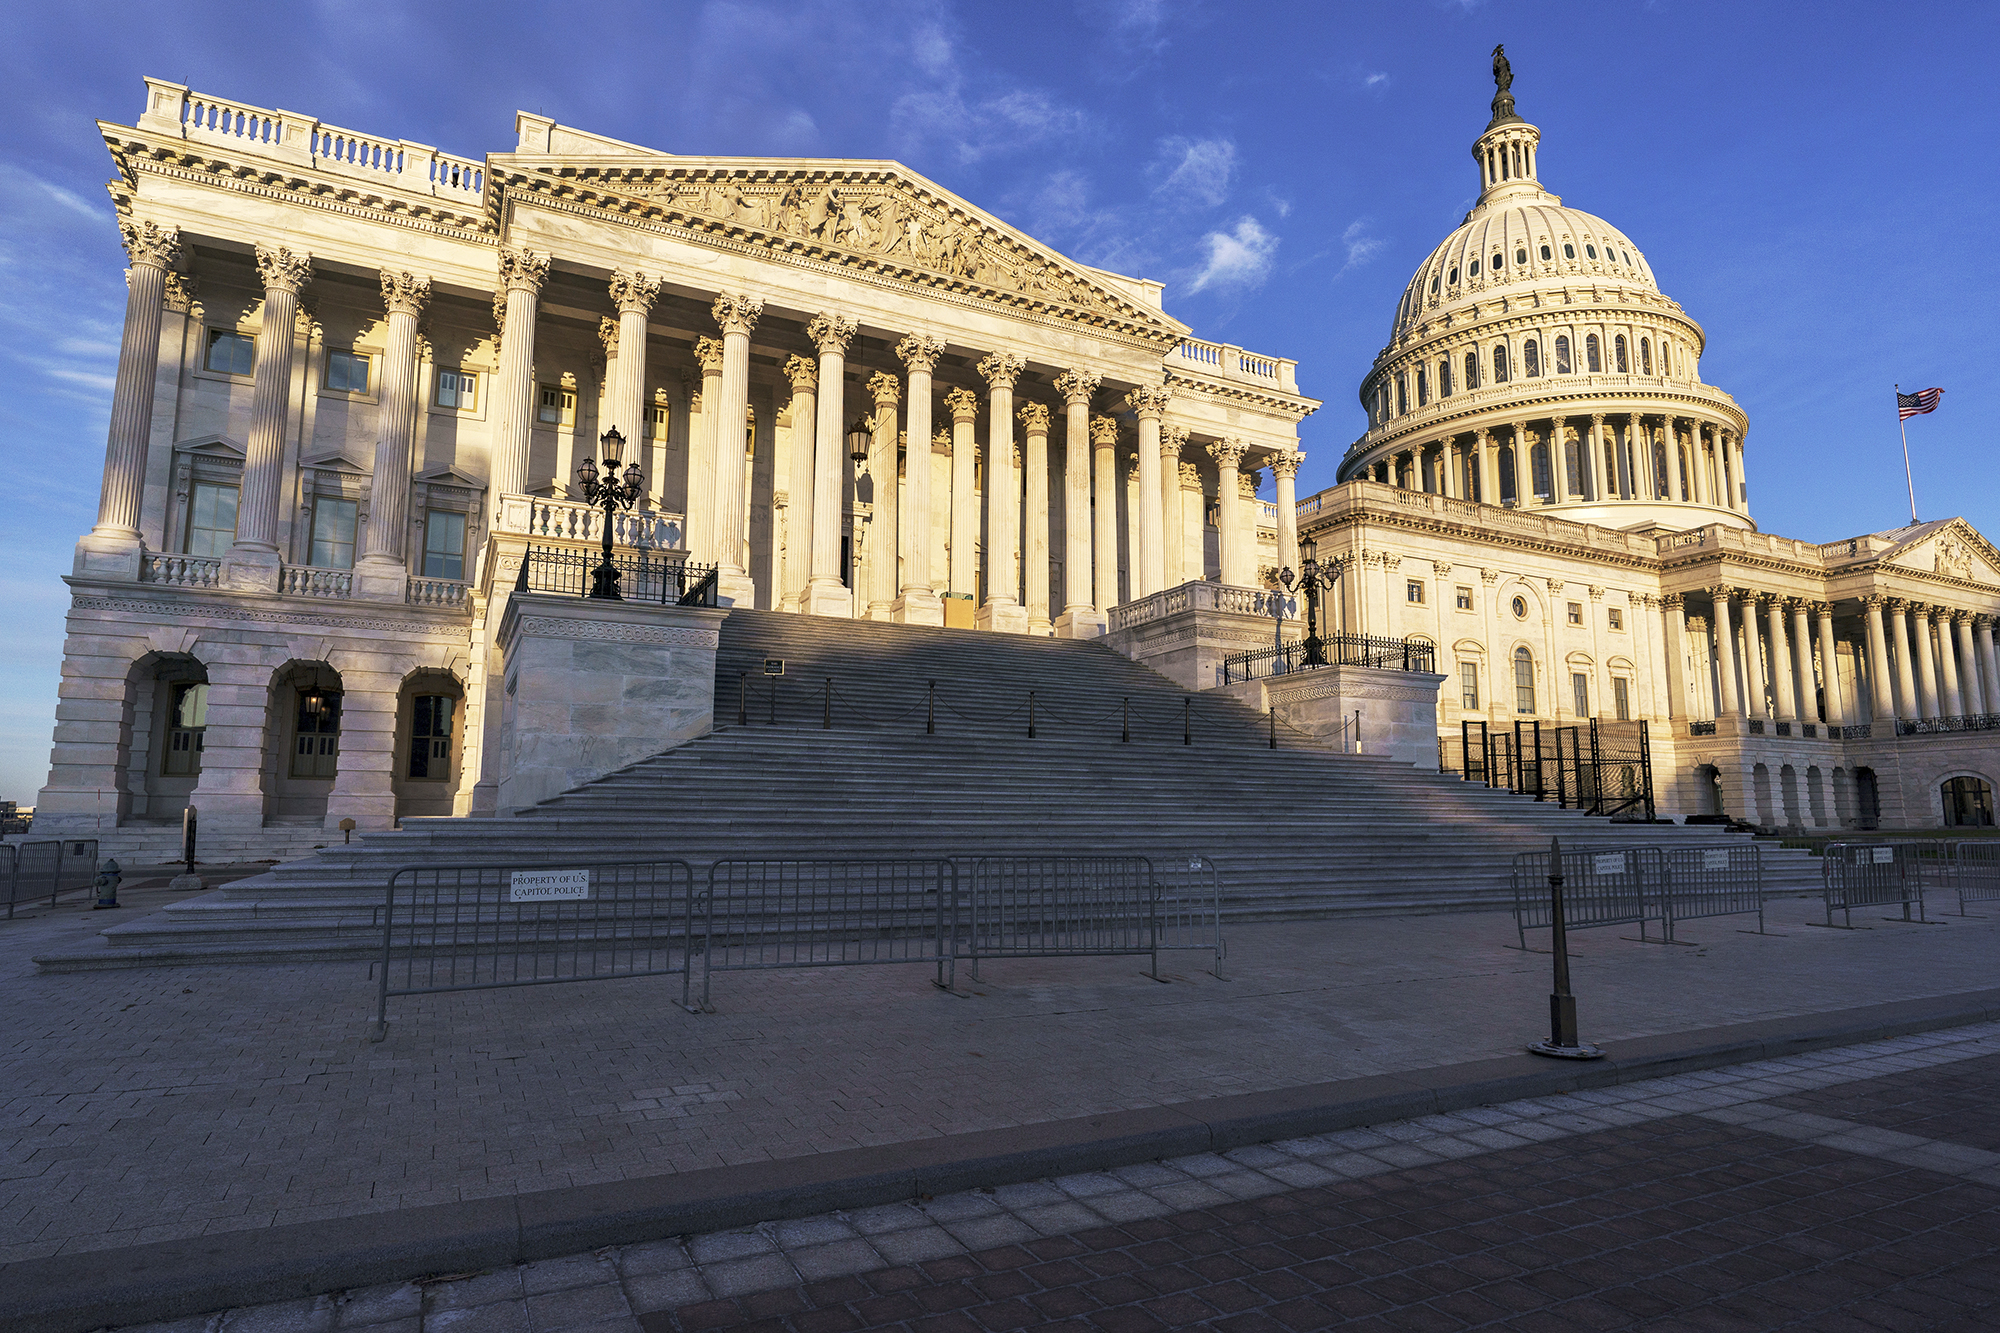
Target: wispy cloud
[(1375, 82), (1201, 169), (1239, 258), (994, 117), (1361, 247)]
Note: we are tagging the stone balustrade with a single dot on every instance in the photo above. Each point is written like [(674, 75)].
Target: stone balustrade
[(1199, 595), (442, 593), (300, 581), (1229, 362), (180, 571), (566, 520)]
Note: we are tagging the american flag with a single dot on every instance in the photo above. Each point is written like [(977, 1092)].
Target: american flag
[(1916, 404)]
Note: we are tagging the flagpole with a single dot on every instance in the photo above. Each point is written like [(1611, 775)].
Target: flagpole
[(1903, 429)]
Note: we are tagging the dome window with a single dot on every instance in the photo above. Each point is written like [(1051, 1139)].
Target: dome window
[(1472, 370), (1423, 386), (1500, 363), (1444, 378), (1627, 259), (1618, 352), (1472, 269), (1453, 279), (1645, 356), (1434, 284), (1563, 366), (1402, 396), (1547, 254), (1531, 358), (1590, 250), (1569, 251), (1520, 256), (1499, 261), (1593, 362)]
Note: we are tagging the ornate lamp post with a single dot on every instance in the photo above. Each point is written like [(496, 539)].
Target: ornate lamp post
[(1310, 587), (610, 492), (857, 440)]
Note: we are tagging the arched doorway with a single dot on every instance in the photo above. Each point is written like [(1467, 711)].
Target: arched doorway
[(1708, 790), (429, 738), (1968, 802), (1867, 799), (167, 719), (306, 710)]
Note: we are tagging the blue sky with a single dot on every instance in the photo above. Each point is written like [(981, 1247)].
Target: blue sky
[(1814, 183)]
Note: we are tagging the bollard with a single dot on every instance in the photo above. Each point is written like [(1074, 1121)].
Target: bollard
[(187, 881), (930, 710), (1126, 702), (743, 699), (108, 876), (1187, 719), (346, 832), (826, 721), (1272, 713), (774, 703), (1031, 715), (1562, 1042)]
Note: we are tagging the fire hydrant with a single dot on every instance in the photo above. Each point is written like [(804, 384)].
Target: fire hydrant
[(108, 876)]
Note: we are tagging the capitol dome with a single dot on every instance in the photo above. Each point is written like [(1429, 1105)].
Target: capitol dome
[(1535, 362)]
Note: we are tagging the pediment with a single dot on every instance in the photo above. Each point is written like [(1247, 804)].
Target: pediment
[(214, 446), (1952, 549), (873, 215), (333, 460), (451, 476)]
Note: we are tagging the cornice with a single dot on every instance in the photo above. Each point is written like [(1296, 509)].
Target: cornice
[(1298, 408), (188, 607), (1409, 522)]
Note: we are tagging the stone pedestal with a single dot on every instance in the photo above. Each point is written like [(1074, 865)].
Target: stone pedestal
[(251, 571), (1002, 618), (918, 608), (380, 579), (1185, 632), (590, 687), (99, 556), (1086, 624), (1397, 709), (836, 602)]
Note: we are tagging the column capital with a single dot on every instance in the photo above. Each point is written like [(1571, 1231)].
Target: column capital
[(1172, 436), (1480, 438), (1285, 462), (283, 269), (708, 351), (179, 295), (963, 404), (404, 293), (941, 440), (1982, 620), (1874, 601), (523, 270), (736, 314), (1227, 453), (1823, 610), (1149, 403), (149, 243), (1104, 431), (1672, 601), (1954, 614), (803, 372), (888, 390), (1720, 592), (1076, 386), (1131, 467), (1002, 370), (920, 351), (634, 293), (830, 333), (1596, 419), (607, 333), (1034, 418)]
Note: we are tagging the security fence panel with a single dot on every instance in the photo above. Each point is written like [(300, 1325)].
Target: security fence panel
[(52, 868), (1872, 875), (459, 928), (1191, 906), (1714, 881), (1600, 888), (763, 915), (1060, 906), (10, 868), (1975, 872)]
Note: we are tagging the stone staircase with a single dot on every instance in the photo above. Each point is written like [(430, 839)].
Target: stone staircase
[(146, 843), (919, 748)]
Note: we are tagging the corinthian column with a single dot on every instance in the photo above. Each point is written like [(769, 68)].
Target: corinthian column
[(1927, 691), (1078, 620), (1003, 610), (1104, 454), (112, 547), (700, 524), (252, 563), (1285, 467), (918, 604), (1972, 689), (1781, 661), (1725, 652), (1228, 455), (1881, 692), (1149, 560), (884, 528), (963, 404), (1035, 418), (383, 574), (522, 273), (633, 294), (736, 316), (1831, 703), (803, 372), (826, 595), (1989, 663), (1173, 525), (1950, 702), (1674, 620)]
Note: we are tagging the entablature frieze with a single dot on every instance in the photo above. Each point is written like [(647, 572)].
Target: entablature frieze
[(1295, 409), (156, 604)]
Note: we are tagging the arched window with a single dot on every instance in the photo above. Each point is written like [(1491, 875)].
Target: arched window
[(1520, 256), (1453, 279), (1681, 449), (1472, 269), (1662, 490), (1590, 251), (1524, 680), (1402, 396), (1498, 261), (1545, 483), (1563, 364), (1444, 378), (1591, 360), (1968, 803), (1500, 363), (1423, 386), (1618, 350), (1472, 370), (1434, 283), (1546, 254), (1531, 357), (1574, 454), (1382, 405), (1645, 356), (1569, 251)]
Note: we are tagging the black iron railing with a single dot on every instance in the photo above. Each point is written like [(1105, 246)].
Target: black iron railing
[(1924, 726), (1368, 650), (665, 576)]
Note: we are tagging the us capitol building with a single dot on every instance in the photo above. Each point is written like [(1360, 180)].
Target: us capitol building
[(359, 378)]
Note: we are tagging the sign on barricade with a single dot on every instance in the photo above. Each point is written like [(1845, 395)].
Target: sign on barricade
[(460, 928), (1975, 872), (1875, 874), (1060, 907), (1191, 907), (763, 915), (1714, 881), (51, 867), (1600, 888)]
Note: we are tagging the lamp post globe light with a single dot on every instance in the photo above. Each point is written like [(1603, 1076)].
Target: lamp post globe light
[(857, 440), (1310, 585), (1278, 604), (611, 491)]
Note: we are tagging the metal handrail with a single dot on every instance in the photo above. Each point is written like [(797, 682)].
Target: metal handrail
[(666, 577), (1368, 650)]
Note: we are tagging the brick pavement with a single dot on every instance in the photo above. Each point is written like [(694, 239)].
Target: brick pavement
[(152, 1105), (1659, 1205)]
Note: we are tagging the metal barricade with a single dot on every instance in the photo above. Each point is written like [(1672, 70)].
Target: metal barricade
[(458, 928), (1714, 881), (11, 868), (1975, 872), (1871, 874), (1600, 888), (1191, 907), (763, 915), (1060, 907), (50, 867)]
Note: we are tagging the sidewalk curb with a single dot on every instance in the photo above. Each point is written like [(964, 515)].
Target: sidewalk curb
[(75, 1293)]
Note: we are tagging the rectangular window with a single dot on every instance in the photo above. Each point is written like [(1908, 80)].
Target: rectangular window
[(430, 736), (1464, 599), (1579, 685), (656, 422), (457, 389), (1621, 697), (211, 519), (231, 353), (1576, 613), (444, 544), (347, 372), (316, 753), (1468, 685), (1414, 591), (184, 729), (558, 406), (333, 534), (1617, 617)]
